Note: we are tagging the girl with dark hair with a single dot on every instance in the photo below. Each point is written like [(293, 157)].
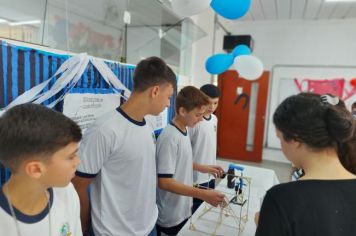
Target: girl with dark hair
[(316, 135), (353, 110), (346, 150)]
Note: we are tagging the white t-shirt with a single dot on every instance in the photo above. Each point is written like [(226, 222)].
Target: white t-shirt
[(203, 139), (120, 153), (174, 160), (64, 213)]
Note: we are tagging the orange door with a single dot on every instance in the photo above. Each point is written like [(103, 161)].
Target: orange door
[(241, 132)]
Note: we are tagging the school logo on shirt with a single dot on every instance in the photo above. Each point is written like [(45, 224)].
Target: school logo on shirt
[(215, 127), (65, 230), (154, 138)]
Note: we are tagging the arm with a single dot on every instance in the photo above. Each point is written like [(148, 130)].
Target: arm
[(210, 196), (215, 170), (81, 185), (257, 217)]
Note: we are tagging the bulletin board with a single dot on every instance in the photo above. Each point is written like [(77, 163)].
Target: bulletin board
[(287, 80)]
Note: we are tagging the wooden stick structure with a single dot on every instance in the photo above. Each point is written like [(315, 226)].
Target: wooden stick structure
[(234, 211)]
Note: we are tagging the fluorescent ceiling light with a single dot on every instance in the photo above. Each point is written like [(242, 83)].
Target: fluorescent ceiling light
[(340, 0), (29, 22)]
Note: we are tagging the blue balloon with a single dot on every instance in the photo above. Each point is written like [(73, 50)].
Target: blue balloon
[(240, 50), (231, 9), (218, 63)]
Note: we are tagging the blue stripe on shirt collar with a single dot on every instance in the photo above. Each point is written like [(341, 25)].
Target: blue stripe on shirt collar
[(185, 133), (207, 119), (30, 219), (139, 123)]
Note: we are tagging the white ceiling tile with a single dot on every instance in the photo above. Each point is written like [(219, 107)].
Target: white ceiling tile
[(341, 10), (298, 7), (312, 9), (269, 9), (283, 9), (327, 10), (247, 17), (352, 14), (256, 10)]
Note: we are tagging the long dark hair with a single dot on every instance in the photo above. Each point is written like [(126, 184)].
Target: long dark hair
[(306, 118)]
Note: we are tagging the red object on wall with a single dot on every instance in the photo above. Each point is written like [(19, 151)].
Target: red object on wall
[(353, 82), (333, 86), (233, 115)]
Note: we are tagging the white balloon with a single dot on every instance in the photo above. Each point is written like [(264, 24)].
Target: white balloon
[(248, 67), (188, 8)]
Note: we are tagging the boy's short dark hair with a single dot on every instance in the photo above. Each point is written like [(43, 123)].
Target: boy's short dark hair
[(353, 106), (30, 130), (153, 71), (190, 98), (211, 90)]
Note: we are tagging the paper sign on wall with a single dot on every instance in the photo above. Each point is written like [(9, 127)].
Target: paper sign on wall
[(158, 122), (85, 108)]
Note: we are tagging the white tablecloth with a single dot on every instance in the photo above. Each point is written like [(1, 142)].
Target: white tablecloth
[(261, 180)]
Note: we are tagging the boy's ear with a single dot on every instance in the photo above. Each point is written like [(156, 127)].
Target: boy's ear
[(296, 143), (154, 91), (34, 169), (181, 111)]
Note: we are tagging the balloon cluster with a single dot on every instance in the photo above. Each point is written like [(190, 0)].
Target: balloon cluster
[(248, 66), (230, 9)]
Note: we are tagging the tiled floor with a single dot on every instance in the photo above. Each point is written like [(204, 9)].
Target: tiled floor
[(282, 170)]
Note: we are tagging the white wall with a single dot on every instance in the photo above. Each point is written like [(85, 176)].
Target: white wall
[(328, 42), (301, 42), (202, 49)]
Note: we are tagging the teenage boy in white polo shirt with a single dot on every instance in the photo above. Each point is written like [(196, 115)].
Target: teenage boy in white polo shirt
[(118, 158), (203, 139), (39, 146), (175, 164)]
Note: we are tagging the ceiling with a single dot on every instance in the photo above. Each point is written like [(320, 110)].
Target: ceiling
[(158, 12), (143, 12), (108, 14), (262, 10)]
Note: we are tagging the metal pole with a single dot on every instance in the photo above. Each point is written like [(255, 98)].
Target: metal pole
[(44, 21)]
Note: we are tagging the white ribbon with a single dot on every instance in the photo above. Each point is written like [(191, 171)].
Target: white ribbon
[(70, 73), (109, 76)]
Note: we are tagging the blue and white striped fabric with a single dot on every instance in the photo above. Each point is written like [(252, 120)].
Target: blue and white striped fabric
[(22, 68)]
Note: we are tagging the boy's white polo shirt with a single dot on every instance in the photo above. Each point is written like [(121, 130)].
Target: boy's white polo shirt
[(64, 214), (203, 137), (120, 153), (174, 160)]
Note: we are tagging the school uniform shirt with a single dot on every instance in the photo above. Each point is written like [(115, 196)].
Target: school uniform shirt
[(64, 213), (120, 153), (204, 141), (309, 208), (174, 160)]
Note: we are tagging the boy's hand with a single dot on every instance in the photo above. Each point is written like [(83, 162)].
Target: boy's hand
[(214, 197), (214, 170)]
